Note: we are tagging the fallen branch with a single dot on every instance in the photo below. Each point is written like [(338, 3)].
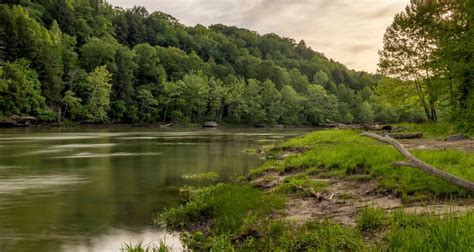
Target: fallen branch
[(416, 163), (311, 192), (405, 135)]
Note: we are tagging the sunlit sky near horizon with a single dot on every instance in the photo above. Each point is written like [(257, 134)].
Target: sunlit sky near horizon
[(349, 31)]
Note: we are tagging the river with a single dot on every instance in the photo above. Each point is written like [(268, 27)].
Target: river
[(94, 189)]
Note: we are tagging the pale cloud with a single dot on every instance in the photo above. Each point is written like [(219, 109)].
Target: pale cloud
[(349, 31)]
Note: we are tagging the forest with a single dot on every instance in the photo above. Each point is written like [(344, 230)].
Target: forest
[(87, 61)]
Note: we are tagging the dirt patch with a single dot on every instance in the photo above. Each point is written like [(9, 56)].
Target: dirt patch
[(343, 199)]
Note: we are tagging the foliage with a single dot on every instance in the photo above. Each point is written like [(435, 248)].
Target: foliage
[(20, 89), (428, 49), (162, 71)]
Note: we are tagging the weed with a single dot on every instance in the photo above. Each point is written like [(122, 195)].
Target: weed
[(370, 219)]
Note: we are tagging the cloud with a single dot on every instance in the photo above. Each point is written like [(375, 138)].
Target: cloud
[(349, 31)]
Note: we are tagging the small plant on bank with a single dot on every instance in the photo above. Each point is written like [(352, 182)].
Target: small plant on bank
[(370, 219), (141, 247), (208, 176), (302, 185)]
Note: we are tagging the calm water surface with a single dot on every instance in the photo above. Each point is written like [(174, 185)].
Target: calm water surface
[(92, 190)]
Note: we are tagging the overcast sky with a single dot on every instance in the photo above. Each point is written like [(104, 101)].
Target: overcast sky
[(349, 31)]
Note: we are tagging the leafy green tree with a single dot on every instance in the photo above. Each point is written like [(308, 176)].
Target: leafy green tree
[(365, 113), (321, 78), (320, 107), (99, 52), (99, 87), (408, 53), (292, 104), (149, 70), (148, 106), (123, 79), (20, 90), (73, 105), (252, 110), (271, 102)]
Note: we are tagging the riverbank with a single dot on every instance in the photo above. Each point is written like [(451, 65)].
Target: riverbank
[(334, 190)]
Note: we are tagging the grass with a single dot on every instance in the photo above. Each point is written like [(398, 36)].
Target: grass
[(141, 247), (343, 153), (370, 219), (302, 185), (432, 130), (208, 176), (409, 232), (224, 207), (397, 231)]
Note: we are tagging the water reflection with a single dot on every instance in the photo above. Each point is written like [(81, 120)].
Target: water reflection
[(116, 239), (61, 189)]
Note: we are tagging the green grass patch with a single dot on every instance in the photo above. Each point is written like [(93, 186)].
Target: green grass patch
[(344, 153), (142, 247), (411, 232), (370, 219), (222, 207), (431, 130), (302, 185), (208, 176)]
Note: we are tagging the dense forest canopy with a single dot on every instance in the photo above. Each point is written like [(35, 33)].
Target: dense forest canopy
[(85, 60)]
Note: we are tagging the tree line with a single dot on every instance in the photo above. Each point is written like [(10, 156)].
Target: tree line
[(85, 60)]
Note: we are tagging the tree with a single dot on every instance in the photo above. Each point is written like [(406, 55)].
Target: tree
[(99, 52), (271, 102), (148, 106), (321, 78), (99, 87), (252, 110), (320, 106), (408, 53), (148, 70), (123, 79), (20, 90), (455, 58), (365, 113), (73, 106), (292, 104)]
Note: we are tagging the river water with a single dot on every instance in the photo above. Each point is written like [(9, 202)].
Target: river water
[(95, 189)]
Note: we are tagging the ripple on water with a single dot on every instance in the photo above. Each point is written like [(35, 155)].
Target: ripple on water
[(25, 183), (106, 155), (68, 147)]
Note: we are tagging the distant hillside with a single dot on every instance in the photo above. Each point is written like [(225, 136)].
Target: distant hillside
[(84, 60)]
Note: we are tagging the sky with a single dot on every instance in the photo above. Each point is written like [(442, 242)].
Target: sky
[(348, 31)]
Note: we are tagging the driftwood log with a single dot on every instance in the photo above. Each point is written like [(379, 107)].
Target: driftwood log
[(405, 135), (418, 164)]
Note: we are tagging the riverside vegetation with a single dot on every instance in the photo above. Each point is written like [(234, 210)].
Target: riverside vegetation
[(365, 205)]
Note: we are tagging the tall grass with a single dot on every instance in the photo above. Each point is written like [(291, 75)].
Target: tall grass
[(141, 247), (411, 232), (228, 206), (432, 130)]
